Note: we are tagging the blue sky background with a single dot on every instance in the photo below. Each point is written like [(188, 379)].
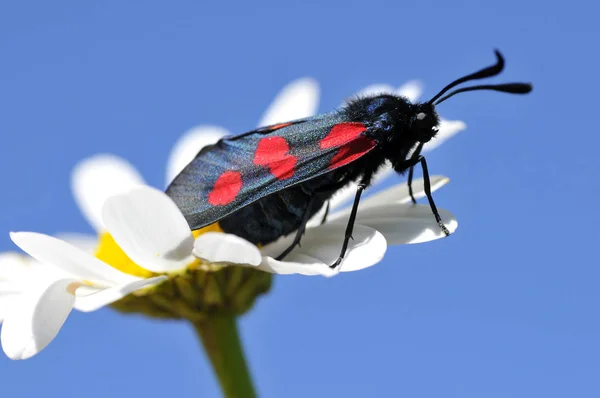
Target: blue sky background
[(506, 307)]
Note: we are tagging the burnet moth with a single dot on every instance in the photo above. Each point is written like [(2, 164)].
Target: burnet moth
[(267, 183)]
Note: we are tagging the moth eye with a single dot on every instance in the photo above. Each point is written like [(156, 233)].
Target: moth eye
[(421, 116)]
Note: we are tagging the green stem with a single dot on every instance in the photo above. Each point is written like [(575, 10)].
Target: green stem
[(222, 343)]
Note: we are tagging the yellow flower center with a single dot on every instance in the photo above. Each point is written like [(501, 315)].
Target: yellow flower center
[(109, 252)]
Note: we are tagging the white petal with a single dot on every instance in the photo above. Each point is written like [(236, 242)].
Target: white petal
[(16, 284), (98, 298), (188, 146), (323, 244), (411, 90), (447, 130), (404, 224), (54, 252), (396, 194), (87, 243), (35, 317), (297, 100), (96, 179), (149, 227), (302, 264), (9, 288), (226, 248), (12, 266), (6, 302), (17, 271)]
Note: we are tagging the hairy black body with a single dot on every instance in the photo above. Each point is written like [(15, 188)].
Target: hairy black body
[(390, 121)]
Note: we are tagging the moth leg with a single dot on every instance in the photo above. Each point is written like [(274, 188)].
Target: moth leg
[(414, 156), (350, 227), (427, 185), (324, 219), (409, 182), (306, 216), (300, 230)]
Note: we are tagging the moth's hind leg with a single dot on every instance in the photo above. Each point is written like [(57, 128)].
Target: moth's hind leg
[(324, 219), (300, 231), (328, 191), (350, 226)]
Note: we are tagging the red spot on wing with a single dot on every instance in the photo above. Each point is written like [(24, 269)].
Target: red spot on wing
[(273, 152), (351, 151), (352, 145), (341, 134), (226, 188)]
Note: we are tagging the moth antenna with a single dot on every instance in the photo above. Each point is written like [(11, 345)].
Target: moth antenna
[(490, 71), (512, 88)]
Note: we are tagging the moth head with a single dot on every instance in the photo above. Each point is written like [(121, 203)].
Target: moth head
[(424, 122)]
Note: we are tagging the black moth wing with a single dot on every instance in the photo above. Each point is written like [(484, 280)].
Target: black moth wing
[(239, 170)]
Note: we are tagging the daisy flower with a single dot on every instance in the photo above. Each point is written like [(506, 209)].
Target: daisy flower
[(144, 240), (157, 244), (100, 177)]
